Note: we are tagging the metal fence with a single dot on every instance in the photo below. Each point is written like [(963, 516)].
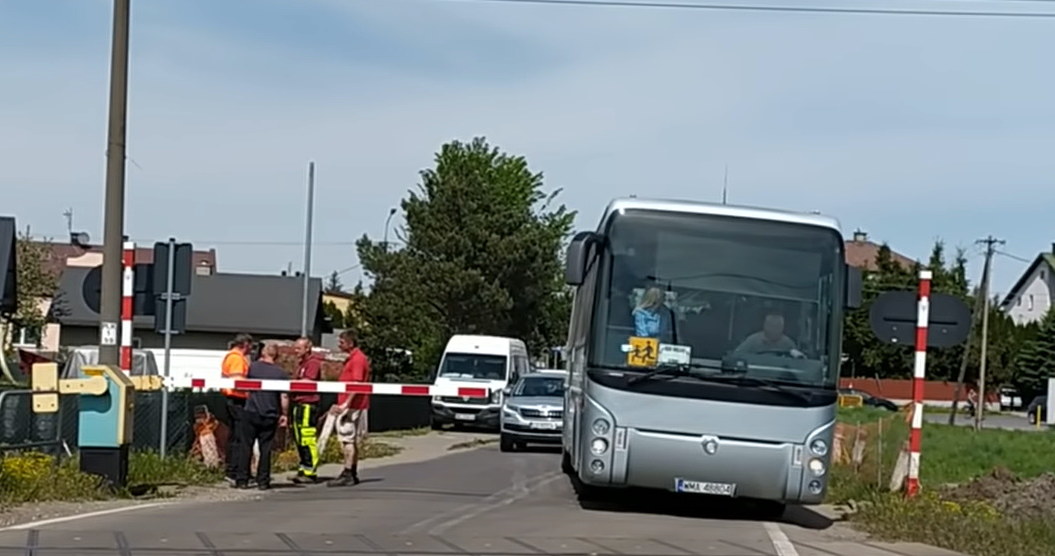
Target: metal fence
[(56, 433)]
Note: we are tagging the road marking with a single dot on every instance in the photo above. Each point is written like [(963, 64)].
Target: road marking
[(495, 500), (89, 515), (780, 541), (519, 492)]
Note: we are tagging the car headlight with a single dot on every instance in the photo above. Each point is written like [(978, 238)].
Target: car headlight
[(819, 447), (600, 427), (512, 410)]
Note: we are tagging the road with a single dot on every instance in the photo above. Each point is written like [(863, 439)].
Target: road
[(1007, 421), (476, 502)]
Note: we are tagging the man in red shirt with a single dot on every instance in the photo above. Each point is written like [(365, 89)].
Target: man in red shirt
[(351, 409), (305, 412)]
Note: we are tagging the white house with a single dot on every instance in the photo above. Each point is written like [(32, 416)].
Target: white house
[(1031, 297)]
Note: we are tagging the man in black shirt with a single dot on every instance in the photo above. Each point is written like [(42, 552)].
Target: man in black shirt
[(264, 413)]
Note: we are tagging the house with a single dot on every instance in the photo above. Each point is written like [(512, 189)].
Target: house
[(60, 256), (861, 253), (1030, 298), (220, 306)]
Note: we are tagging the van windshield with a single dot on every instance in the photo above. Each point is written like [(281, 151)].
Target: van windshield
[(473, 365)]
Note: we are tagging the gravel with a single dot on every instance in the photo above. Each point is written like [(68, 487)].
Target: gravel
[(1014, 497)]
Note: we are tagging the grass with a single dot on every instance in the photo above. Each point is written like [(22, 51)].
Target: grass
[(950, 455), (289, 460), (36, 477)]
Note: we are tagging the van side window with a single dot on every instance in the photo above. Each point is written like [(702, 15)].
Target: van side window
[(520, 367)]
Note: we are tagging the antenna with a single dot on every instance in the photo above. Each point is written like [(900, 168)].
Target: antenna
[(725, 185), (68, 213)]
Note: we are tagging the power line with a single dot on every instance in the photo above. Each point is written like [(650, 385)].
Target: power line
[(762, 8), (1015, 257)]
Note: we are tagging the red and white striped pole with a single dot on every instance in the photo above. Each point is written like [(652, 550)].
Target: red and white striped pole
[(128, 262), (919, 372)]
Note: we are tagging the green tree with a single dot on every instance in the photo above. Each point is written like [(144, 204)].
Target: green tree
[(481, 254), (335, 315), (333, 283), (36, 282), (1036, 361), (874, 358)]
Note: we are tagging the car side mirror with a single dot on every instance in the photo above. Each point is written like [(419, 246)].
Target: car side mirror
[(507, 391)]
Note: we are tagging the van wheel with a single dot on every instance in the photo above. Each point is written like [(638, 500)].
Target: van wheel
[(506, 444)]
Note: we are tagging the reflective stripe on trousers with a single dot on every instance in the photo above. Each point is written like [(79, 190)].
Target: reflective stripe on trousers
[(304, 434)]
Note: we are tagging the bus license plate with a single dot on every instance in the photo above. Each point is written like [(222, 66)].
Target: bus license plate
[(698, 487), (465, 416), (544, 425)]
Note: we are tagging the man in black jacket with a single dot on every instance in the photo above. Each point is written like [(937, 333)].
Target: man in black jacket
[(265, 411)]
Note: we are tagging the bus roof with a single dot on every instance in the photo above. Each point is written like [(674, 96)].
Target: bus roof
[(701, 207)]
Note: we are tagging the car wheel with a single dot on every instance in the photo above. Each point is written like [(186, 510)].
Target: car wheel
[(506, 444)]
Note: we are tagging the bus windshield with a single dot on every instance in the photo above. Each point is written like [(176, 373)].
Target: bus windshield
[(758, 297)]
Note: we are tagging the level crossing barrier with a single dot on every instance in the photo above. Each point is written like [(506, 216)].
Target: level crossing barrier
[(333, 387)]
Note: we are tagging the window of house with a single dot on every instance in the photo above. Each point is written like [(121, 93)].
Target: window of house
[(25, 336), (1030, 305)]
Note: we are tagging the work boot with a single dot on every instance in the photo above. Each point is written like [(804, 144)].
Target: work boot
[(344, 479), (355, 473)]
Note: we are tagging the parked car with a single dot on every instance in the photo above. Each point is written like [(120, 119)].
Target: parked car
[(533, 411), (1009, 399), (1039, 403), (869, 400)]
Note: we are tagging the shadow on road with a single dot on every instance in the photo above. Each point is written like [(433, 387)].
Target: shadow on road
[(645, 501)]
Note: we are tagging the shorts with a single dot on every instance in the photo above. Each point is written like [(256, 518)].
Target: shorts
[(351, 426)]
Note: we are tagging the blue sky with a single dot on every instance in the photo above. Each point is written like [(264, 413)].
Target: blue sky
[(909, 128)]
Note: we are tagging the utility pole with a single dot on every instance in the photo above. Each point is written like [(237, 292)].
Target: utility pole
[(113, 217), (979, 304), (307, 250), (990, 247)]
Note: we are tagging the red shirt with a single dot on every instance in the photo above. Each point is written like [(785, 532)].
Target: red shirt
[(356, 369), (310, 369)]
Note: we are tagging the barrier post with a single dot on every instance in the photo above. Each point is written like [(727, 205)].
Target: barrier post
[(915, 438), (128, 263)]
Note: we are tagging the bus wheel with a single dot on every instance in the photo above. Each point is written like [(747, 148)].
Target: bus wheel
[(506, 444), (771, 510), (565, 463)]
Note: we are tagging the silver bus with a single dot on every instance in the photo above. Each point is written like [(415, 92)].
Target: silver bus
[(704, 350)]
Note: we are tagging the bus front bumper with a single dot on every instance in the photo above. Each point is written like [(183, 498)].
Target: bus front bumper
[(704, 464)]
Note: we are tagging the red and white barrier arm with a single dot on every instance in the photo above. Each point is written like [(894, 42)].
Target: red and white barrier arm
[(379, 388)]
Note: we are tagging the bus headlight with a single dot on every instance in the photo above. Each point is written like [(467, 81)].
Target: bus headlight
[(817, 467), (819, 447), (599, 446), (600, 427)]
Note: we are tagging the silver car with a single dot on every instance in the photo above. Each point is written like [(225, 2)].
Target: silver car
[(533, 410)]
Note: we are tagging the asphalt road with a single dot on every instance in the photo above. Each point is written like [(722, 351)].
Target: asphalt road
[(1007, 421), (477, 502)]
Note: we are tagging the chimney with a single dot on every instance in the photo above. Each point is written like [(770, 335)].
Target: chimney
[(860, 235)]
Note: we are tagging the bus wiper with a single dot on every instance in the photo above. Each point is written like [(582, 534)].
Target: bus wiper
[(681, 369), (755, 381)]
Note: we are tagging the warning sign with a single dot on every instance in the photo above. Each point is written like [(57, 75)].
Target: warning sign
[(644, 352)]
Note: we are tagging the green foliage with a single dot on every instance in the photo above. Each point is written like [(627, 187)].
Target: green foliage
[(481, 255), (1035, 362), (335, 315), (36, 282), (149, 468), (333, 283)]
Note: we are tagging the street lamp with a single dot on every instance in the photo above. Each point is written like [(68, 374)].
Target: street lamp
[(391, 213)]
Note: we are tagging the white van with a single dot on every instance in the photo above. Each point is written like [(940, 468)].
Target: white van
[(489, 361)]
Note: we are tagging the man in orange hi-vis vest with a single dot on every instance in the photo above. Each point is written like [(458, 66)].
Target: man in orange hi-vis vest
[(235, 365)]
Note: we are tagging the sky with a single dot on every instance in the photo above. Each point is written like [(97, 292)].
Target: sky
[(912, 129)]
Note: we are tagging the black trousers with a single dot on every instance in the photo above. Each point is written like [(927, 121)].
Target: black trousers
[(256, 428), (235, 415)]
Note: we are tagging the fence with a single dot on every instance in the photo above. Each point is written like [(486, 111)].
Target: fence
[(867, 447), (57, 432)]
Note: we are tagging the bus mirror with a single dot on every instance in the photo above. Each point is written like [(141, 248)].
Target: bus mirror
[(854, 283), (577, 257)]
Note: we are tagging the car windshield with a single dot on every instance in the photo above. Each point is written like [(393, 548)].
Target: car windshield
[(473, 365), (719, 292), (532, 386)]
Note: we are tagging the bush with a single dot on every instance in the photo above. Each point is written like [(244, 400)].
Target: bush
[(37, 477), (149, 468)]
